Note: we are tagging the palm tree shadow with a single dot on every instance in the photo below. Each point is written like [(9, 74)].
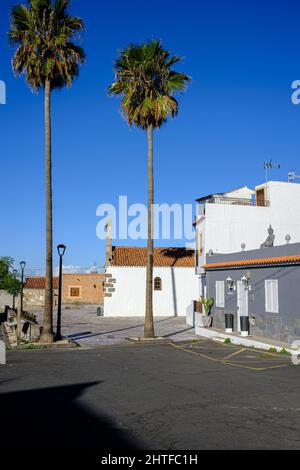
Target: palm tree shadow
[(54, 418), (176, 254), (89, 334)]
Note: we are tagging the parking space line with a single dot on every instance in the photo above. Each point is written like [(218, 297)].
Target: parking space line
[(200, 341), (234, 354), (222, 361)]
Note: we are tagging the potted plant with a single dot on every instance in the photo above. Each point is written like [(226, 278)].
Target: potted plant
[(206, 318)]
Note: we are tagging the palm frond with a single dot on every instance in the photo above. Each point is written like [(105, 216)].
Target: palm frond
[(145, 80), (43, 32)]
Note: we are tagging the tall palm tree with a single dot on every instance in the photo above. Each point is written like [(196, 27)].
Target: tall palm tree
[(147, 84), (43, 32)]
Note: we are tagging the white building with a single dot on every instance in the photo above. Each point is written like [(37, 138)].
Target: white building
[(175, 282), (239, 220)]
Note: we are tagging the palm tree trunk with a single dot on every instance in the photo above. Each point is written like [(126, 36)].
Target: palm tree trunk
[(149, 325), (47, 335)]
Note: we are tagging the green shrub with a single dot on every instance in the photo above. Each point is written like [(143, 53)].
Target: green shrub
[(284, 351)]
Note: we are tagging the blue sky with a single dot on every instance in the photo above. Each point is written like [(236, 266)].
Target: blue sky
[(243, 57)]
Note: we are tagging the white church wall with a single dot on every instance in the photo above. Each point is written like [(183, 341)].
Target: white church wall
[(179, 288)]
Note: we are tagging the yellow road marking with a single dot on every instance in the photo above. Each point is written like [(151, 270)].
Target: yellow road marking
[(222, 361), (191, 343), (234, 354)]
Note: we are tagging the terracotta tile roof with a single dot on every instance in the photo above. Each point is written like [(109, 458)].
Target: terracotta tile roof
[(163, 257), (39, 283), (295, 259)]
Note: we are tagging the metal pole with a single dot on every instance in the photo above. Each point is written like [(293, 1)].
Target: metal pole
[(22, 285), (14, 293), (20, 311), (58, 329)]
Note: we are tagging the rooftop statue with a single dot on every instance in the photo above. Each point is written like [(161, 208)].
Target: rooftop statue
[(269, 243)]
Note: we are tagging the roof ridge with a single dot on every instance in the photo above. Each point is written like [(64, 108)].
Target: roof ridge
[(254, 261)]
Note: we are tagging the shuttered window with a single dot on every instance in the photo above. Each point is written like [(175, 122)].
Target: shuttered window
[(74, 291), (220, 294), (272, 296)]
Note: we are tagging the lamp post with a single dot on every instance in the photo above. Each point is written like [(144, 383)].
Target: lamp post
[(15, 272), (61, 249), (22, 265), (20, 310)]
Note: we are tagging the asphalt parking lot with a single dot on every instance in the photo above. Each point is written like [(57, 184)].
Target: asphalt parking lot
[(187, 395), (236, 356)]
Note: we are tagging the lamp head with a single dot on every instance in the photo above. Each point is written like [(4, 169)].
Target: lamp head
[(61, 249), (23, 265)]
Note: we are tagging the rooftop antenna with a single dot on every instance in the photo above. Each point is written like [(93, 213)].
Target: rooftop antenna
[(270, 165), (292, 176)]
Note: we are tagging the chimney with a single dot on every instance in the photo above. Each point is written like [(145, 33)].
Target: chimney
[(108, 259)]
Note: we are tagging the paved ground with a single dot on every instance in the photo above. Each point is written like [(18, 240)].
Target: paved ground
[(91, 331), (193, 396)]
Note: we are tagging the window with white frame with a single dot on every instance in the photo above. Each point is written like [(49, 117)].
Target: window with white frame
[(272, 296), (220, 294)]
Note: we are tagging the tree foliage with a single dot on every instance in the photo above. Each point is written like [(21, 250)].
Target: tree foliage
[(44, 32), (7, 281), (147, 83)]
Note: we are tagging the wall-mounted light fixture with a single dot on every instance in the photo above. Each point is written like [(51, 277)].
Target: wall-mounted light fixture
[(230, 285), (246, 283)]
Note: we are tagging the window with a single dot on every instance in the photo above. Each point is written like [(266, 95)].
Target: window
[(157, 283), (272, 296), (220, 294), (75, 292)]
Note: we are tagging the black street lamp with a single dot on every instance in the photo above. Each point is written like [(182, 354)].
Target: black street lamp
[(15, 272), (61, 249), (20, 310), (22, 265)]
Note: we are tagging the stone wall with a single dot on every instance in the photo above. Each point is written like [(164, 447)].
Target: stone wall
[(88, 286), (263, 325), (5, 299), (36, 298), (90, 289)]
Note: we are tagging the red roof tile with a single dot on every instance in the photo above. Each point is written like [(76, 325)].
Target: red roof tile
[(295, 259), (163, 257), (39, 283)]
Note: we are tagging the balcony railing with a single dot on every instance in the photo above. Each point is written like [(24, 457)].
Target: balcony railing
[(238, 201)]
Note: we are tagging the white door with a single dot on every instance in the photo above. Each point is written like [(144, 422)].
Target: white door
[(242, 303)]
